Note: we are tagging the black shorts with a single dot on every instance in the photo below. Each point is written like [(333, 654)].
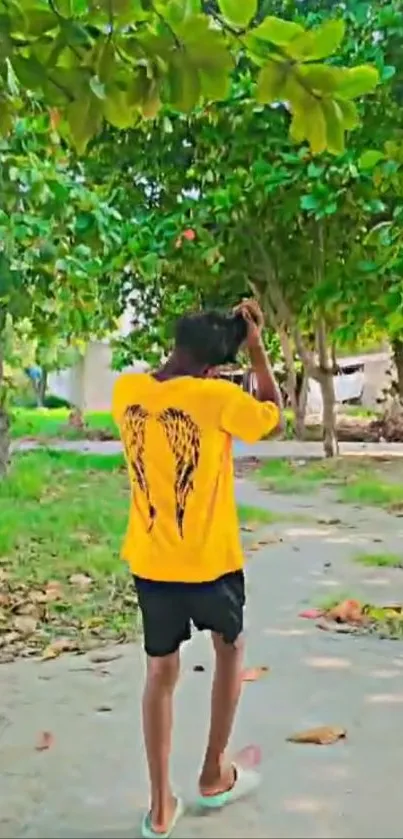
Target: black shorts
[(168, 609)]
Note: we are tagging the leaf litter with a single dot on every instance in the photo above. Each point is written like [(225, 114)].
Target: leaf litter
[(53, 618), (356, 617)]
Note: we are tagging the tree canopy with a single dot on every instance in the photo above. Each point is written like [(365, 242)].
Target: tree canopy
[(122, 61)]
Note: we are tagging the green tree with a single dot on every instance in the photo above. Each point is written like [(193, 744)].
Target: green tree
[(229, 204), (62, 252), (123, 60)]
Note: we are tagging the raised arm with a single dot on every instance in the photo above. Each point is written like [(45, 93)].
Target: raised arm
[(267, 387)]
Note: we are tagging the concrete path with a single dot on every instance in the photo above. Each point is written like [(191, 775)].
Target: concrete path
[(291, 449), (91, 782)]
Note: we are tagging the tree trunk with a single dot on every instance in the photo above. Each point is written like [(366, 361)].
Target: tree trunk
[(330, 442), (42, 387), (300, 409), (397, 346), (4, 424)]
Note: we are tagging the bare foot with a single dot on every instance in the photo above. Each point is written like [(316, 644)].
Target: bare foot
[(161, 816)]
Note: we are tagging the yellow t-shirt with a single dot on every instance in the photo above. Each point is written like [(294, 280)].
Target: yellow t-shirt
[(183, 524)]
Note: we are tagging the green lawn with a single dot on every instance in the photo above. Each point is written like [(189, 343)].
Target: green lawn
[(62, 517), (356, 480), (51, 423), (62, 582)]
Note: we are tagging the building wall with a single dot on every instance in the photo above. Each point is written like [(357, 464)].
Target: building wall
[(89, 384)]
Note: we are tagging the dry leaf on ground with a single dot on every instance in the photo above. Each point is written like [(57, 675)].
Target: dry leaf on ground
[(62, 645), (54, 590), (45, 741), (103, 658), (25, 625), (253, 674), (325, 735), (81, 580), (348, 611), (311, 614)]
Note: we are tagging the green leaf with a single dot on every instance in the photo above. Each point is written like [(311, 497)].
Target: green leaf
[(151, 102), (215, 83), (367, 266), (320, 77), (39, 20), (238, 12), (6, 119), (271, 83), (276, 31), (350, 114), (184, 84), (316, 127), (357, 81), (206, 49), (117, 109), (298, 126), (318, 43), (84, 118), (334, 126), (97, 87), (387, 72), (370, 158), (309, 202)]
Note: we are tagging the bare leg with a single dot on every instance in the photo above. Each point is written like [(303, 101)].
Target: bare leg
[(162, 675), (216, 776)]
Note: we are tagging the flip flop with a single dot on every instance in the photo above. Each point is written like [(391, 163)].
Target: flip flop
[(147, 831), (246, 781)]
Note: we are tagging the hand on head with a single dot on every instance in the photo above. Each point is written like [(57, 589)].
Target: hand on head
[(253, 315)]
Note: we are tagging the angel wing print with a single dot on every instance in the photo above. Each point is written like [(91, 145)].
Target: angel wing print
[(183, 436)]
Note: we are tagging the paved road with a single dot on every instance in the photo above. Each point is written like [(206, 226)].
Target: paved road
[(91, 783), (275, 448)]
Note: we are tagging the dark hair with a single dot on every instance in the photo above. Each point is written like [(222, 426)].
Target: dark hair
[(211, 338)]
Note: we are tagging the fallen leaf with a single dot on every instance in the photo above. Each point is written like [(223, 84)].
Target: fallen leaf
[(252, 674), (54, 590), (325, 735), (103, 658), (5, 600), (311, 614), (25, 625), (348, 611), (329, 521), (81, 580), (45, 741), (246, 528), (62, 645), (103, 708)]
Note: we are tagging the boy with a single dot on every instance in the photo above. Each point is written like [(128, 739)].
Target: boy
[(182, 542)]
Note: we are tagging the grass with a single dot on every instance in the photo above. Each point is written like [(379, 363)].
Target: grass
[(358, 411), (372, 491), (256, 515), (62, 519), (379, 560), (287, 476), (51, 423), (63, 515), (358, 481)]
